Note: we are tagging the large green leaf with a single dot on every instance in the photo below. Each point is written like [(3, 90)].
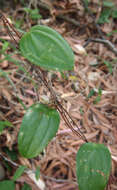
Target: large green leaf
[(7, 184), (93, 165), (39, 126), (45, 47)]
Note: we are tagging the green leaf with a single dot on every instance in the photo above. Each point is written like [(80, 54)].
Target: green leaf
[(114, 13), (111, 33), (81, 110), (45, 47), (7, 166), (26, 187), (34, 14), (27, 10), (19, 172), (98, 98), (37, 173), (93, 165), (108, 4), (11, 153), (7, 184), (4, 124), (99, 92), (18, 24), (39, 126), (109, 66), (86, 4), (91, 93), (104, 17), (4, 74), (4, 47)]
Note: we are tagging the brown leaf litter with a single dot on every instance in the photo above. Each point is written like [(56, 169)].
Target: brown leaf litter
[(97, 121)]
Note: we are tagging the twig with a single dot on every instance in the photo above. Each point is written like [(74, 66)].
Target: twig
[(60, 16), (8, 160), (65, 115), (68, 19), (9, 27), (103, 41), (30, 171), (59, 180), (93, 17)]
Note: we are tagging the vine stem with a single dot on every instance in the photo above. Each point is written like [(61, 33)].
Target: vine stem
[(65, 115), (9, 27), (63, 112)]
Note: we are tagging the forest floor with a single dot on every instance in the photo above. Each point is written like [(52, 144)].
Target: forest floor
[(89, 92)]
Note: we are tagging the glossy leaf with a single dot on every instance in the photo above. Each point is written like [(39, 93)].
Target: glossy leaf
[(7, 185), (46, 48), (39, 126), (93, 165)]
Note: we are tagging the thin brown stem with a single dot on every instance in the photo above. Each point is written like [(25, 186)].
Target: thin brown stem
[(65, 115), (9, 28)]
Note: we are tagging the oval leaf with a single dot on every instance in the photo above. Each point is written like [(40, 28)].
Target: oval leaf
[(38, 127), (93, 165), (46, 48), (19, 172), (7, 184)]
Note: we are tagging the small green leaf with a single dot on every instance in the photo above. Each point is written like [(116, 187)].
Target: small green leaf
[(91, 93), (34, 14), (5, 74), (98, 98), (111, 33), (86, 3), (39, 126), (45, 47), (19, 172), (81, 110), (99, 92), (108, 4), (7, 184), (11, 153), (114, 13), (7, 166), (93, 165), (4, 124), (27, 10), (5, 46), (18, 24), (109, 66), (26, 187), (104, 17), (37, 173)]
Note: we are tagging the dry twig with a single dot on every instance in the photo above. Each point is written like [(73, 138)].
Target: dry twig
[(103, 41), (93, 17), (60, 16)]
